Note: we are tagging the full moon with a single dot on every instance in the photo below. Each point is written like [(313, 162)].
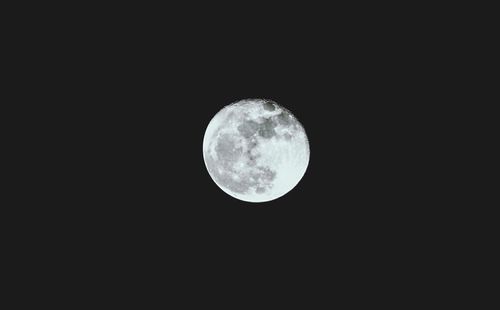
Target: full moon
[(255, 150)]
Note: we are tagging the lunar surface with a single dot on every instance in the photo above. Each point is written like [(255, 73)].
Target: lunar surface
[(255, 150)]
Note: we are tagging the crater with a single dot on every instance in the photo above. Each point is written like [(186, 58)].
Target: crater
[(252, 143), (287, 136), (268, 106), (284, 118)]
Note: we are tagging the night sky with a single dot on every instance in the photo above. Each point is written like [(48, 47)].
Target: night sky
[(148, 90)]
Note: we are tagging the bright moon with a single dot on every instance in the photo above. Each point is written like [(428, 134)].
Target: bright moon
[(255, 150)]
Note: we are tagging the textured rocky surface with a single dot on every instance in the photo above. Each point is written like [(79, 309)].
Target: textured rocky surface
[(255, 150)]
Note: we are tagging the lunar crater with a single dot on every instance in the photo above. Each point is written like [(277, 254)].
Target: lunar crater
[(268, 105)]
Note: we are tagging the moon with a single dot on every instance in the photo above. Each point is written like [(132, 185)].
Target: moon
[(255, 150)]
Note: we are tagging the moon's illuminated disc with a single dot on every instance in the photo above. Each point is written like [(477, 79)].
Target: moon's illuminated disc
[(255, 150)]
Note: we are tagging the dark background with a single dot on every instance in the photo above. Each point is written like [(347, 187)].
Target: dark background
[(155, 85), (142, 86)]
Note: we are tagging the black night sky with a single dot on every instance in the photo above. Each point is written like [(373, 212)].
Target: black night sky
[(149, 88)]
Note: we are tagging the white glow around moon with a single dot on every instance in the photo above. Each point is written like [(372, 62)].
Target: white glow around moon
[(255, 150)]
